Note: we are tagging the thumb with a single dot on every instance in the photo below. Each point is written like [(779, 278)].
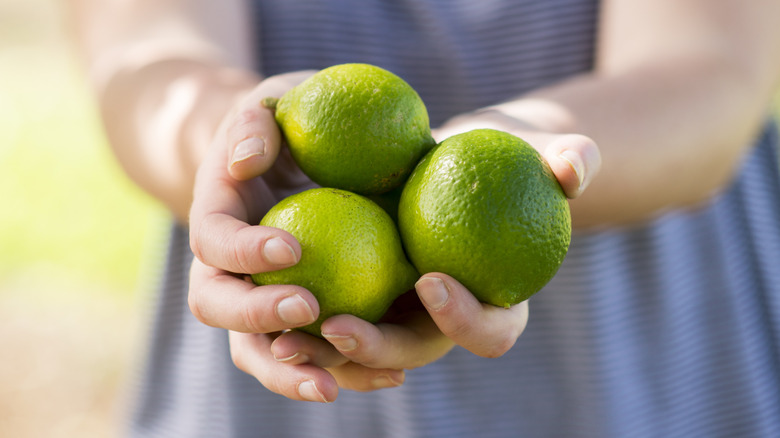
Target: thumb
[(253, 137), (575, 160)]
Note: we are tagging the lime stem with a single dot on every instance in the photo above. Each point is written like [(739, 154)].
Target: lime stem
[(269, 102)]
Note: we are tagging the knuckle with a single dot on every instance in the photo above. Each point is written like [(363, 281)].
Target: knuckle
[(459, 329), (238, 357), (247, 122), (501, 344), (498, 349), (247, 116), (252, 321), (480, 339), (281, 384), (195, 240), (246, 252), (196, 305), (365, 355), (365, 358), (200, 237), (241, 259)]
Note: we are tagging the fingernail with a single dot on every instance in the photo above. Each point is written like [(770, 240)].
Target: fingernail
[(295, 311), (296, 358), (387, 381), (251, 147), (342, 343), (278, 252), (575, 161), (308, 390), (433, 292)]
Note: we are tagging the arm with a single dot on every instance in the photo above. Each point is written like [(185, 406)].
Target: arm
[(165, 73), (678, 92)]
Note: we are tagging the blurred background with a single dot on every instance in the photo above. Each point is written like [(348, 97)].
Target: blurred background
[(78, 242), (80, 245)]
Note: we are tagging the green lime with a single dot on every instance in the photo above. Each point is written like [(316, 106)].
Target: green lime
[(485, 208), (355, 127), (351, 254)]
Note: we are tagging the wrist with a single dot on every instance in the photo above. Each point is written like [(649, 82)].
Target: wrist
[(160, 119), (520, 117), (208, 97)]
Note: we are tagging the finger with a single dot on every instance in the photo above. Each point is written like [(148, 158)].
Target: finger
[(483, 329), (250, 353), (414, 343), (222, 205), (220, 234), (220, 299), (225, 242), (575, 161), (296, 347), (253, 137), (357, 377)]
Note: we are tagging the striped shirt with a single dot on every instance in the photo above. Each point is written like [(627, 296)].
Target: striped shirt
[(665, 329)]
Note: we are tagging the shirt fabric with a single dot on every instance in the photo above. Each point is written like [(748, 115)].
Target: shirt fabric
[(667, 328)]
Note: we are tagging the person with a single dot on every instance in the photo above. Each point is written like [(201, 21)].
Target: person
[(664, 319)]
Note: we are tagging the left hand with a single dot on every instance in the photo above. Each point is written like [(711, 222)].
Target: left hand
[(414, 334), (410, 336)]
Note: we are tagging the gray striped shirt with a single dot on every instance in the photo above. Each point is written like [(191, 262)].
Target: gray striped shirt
[(669, 328)]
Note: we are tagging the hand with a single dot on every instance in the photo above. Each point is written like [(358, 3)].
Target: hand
[(363, 356), (355, 354), (245, 172), (575, 159)]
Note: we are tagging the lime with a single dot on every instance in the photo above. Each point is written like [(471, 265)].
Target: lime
[(351, 254), (485, 208), (355, 127)]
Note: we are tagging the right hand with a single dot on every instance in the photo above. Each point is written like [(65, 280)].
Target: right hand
[(245, 172)]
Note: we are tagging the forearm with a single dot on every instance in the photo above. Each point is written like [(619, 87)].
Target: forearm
[(670, 135), (676, 96), (165, 73), (160, 120)]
